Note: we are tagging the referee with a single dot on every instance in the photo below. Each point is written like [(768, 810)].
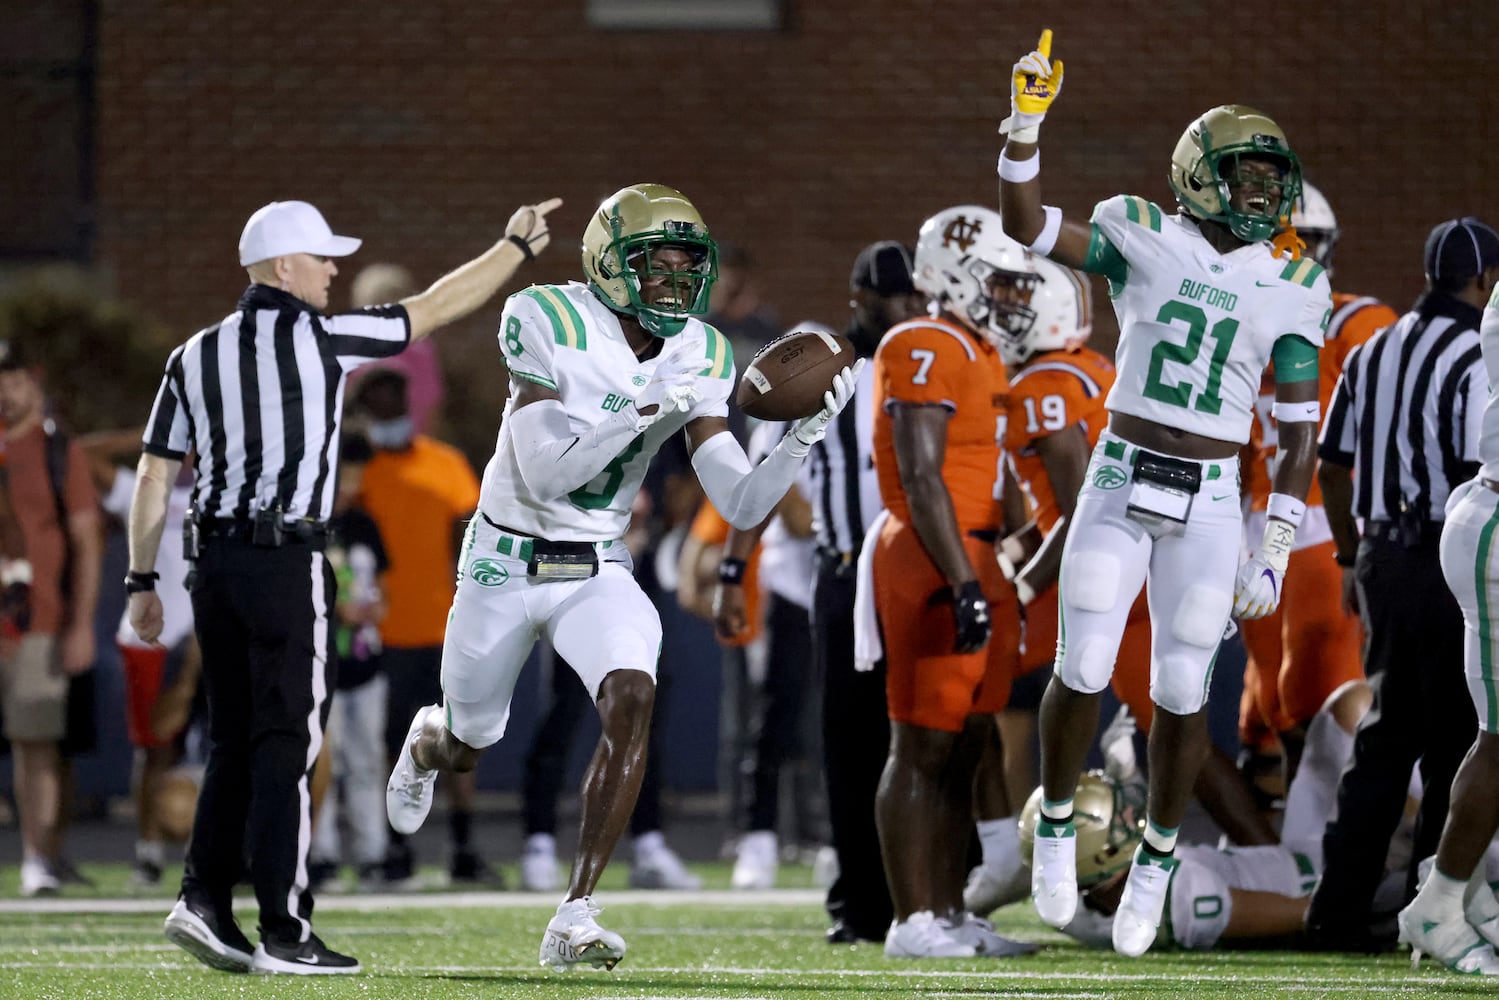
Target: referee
[(257, 398), (1404, 425), (845, 497)]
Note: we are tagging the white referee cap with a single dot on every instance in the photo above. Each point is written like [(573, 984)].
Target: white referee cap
[(287, 227)]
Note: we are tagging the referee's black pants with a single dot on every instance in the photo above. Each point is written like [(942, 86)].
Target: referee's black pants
[(262, 618), (1422, 711), (855, 742)]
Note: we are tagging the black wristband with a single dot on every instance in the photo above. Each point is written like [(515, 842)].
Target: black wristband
[(525, 247), (139, 583), (1344, 561), (731, 570)]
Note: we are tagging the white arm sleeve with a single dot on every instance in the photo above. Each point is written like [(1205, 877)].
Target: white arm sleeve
[(744, 495), (553, 460)]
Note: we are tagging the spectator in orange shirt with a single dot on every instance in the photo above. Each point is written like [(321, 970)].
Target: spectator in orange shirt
[(420, 493), (51, 500)]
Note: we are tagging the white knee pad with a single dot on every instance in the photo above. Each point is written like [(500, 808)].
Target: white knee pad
[(1087, 664), (1091, 580), (1201, 616), (1180, 684)]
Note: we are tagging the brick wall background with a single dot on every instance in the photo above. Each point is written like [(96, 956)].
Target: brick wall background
[(420, 127)]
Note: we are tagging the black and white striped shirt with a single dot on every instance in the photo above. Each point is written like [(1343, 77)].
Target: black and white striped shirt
[(839, 476), (1407, 411), (259, 398)]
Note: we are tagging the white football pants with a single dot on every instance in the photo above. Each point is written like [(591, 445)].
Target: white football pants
[(1190, 571)]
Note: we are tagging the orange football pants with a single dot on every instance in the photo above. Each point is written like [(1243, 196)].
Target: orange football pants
[(927, 684)]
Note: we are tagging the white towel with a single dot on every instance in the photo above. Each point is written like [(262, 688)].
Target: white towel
[(868, 650)]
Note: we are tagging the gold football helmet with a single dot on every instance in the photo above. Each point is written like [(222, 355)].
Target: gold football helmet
[(619, 252), (1110, 821), (1205, 167)]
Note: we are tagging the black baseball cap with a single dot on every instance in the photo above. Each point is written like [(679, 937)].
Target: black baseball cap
[(1461, 248), (884, 267)]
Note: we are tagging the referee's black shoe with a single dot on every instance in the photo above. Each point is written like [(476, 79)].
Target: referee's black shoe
[(209, 934), (305, 958)]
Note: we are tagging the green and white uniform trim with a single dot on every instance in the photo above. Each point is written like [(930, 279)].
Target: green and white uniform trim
[(564, 338), (1197, 327)]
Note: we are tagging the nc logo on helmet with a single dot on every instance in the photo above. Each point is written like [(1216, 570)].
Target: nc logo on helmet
[(488, 572), (1109, 477), (962, 232)]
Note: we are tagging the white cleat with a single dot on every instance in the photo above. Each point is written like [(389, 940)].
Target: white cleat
[(1144, 900), (575, 938), (756, 861), (408, 794), (990, 887), (1481, 908), (539, 869), (1453, 943), (1054, 873), (922, 935), (660, 868), (984, 939)]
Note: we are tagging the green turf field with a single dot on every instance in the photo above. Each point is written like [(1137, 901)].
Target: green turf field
[(715, 945)]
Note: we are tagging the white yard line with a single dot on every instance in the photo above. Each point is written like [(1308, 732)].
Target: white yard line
[(378, 902)]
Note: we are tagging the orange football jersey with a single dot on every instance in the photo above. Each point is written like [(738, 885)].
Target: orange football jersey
[(933, 362), (1355, 318), (1051, 393)]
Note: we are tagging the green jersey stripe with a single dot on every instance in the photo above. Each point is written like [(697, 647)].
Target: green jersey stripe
[(548, 383), (1486, 620), (1155, 216), (567, 325), (1132, 208), (720, 354)]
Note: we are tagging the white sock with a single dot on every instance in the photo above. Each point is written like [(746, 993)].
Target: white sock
[(1479, 904), (1442, 896), (1000, 839), (541, 843), (1313, 795), (649, 843), (1160, 839), (150, 852)]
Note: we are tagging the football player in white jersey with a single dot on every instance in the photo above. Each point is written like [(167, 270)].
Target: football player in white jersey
[(1442, 921), (601, 373), (1204, 301)]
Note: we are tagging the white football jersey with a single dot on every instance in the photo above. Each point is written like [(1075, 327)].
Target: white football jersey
[(563, 337), (1200, 901), (1196, 326), (1488, 339)]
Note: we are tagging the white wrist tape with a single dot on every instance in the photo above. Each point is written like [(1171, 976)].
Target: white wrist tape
[(1043, 243), (1022, 127), (1287, 508), (1297, 413), (1275, 546), (1019, 171), (1025, 592)]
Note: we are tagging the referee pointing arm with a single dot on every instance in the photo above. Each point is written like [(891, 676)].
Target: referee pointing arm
[(257, 397)]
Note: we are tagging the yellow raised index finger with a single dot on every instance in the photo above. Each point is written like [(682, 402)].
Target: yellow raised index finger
[(1044, 45)]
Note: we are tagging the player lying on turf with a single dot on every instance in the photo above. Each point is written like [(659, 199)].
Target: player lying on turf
[(1234, 894)]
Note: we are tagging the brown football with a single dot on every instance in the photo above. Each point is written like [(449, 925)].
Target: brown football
[(788, 376)]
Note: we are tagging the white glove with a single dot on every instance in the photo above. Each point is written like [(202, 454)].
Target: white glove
[(1262, 578), (810, 431), (672, 389)]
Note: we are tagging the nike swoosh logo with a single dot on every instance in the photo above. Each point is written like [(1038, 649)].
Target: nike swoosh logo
[(1223, 497), (1304, 364), (1265, 284), (1267, 573), (307, 959)]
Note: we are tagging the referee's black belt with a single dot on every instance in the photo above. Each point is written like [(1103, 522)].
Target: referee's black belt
[(302, 532), (1409, 533)]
